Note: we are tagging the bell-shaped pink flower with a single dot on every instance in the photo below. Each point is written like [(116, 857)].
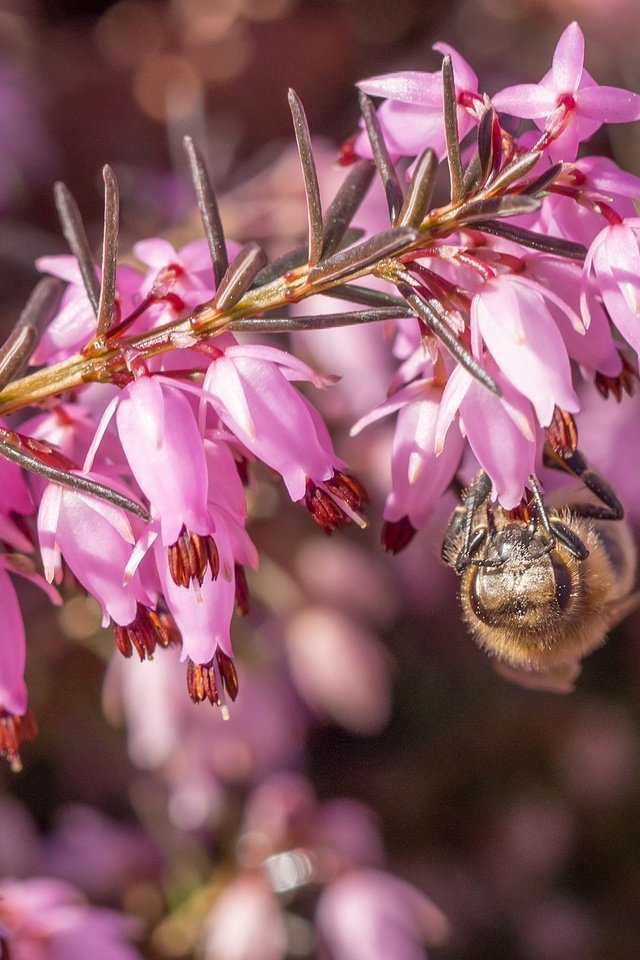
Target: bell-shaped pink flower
[(519, 332), (500, 430), (614, 258), (339, 669), (164, 449), (95, 538), (13, 690), (202, 614), (368, 913), (250, 390)]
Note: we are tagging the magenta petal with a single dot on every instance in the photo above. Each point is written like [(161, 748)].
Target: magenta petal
[(465, 78), (497, 442), (527, 100), (409, 86), (203, 615), (13, 691), (163, 446), (608, 104), (525, 342), (568, 59)]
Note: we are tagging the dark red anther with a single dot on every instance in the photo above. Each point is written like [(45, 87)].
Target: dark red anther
[(143, 634), (191, 556), (206, 681), (562, 433), (625, 382), (347, 154), (397, 534), (326, 503), (14, 730), (242, 590)]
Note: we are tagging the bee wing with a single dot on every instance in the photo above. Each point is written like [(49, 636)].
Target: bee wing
[(559, 678)]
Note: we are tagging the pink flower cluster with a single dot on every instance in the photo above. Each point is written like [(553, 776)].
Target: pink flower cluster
[(176, 439), (533, 304), (528, 275)]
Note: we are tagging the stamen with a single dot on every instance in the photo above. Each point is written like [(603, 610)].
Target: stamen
[(14, 730), (212, 681), (191, 556), (336, 502), (397, 534), (144, 633)]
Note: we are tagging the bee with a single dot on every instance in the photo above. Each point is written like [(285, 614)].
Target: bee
[(540, 588)]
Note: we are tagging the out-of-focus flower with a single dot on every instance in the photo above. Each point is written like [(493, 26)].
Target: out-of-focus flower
[(338, 668), (245, 923), (98, 854), (367, 913), (46, 919)]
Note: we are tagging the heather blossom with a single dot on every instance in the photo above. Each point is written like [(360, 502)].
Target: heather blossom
[(156, 392), (47, 919)]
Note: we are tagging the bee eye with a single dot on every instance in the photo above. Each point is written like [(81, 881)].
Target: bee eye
[(563, 583)]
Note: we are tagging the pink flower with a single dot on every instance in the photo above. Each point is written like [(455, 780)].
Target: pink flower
[(339, 669), (614, 257), (75, 322), (96, 540), (250, 390), (519, 331), (177, 279), (13, 690), (507, 450), (46, 919), (567, 103), (16, 723), (163, 446), (245, 923), (367, 913), (420, 473), (412, 114)]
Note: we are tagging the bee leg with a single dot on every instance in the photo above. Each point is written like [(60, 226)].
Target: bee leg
[(569, 539), (463, 559), (609, 508), (540, 513), (462, 521), (555, 528)]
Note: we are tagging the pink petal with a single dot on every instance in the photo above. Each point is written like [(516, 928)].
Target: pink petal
[(523, 339), (13, 691), (409, 86), (608, 104), (568, 59), (163, 446), (497, 442), (465, 78), (526, 100), (155, 252)]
